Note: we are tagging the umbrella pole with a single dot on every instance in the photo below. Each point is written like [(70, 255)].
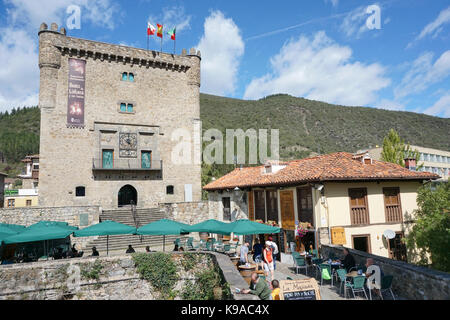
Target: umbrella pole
[(107, 245), (164, 243)]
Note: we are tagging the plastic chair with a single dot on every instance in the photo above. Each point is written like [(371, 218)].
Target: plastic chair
[(300, 263), (325, 267), (226, 248), (190, 243), (289, 278), (209, 246), (295, 255), (342, 276), (386, 285), (357, 285), (177, 242)]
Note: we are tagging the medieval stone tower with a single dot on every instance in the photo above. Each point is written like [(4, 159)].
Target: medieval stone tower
[(111, 120)]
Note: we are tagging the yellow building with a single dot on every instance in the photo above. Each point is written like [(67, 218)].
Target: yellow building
[(21, 198), (338, 198)]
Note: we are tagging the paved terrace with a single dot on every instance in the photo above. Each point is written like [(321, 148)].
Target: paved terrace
[(284, 270)]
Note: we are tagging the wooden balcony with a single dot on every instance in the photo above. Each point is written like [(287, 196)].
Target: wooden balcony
[(359, 215), (394, 213)]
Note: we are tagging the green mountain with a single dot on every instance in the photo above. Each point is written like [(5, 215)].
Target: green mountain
[(306, 127)]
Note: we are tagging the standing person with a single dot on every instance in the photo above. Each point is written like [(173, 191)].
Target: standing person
[(244, 253), (257, 253), (259, 288), (275, 251), (130, 249), (268, 260)]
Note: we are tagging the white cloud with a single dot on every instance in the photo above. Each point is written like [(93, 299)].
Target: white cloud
[(333, 2), (19, 75), (354, 23), (222, 48), (440, 108), (33, 13), (172, 17), (423, 73), (436, 26), (320, 69)]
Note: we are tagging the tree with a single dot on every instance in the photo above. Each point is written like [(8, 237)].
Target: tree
[(430, 235), (395, 150)]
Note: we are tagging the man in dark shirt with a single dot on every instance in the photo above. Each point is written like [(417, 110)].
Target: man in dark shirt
[(130, 249), (94, 252), (349, 261), (257, 252)]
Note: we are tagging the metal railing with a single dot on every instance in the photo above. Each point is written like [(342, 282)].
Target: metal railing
[(126, 164)]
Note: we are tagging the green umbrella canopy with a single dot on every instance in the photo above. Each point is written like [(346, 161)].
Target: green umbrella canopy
[(39, 233), (105, 228), (44, 224), (211, 226), (247, 227), (11, 228), (163, 227)]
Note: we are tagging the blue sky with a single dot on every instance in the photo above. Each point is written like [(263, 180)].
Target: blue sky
[(320, 50)]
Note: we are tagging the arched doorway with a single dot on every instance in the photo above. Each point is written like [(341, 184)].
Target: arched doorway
[(127, 195)]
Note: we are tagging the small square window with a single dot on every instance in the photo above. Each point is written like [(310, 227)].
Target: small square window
[(80, 191), (124, 76), (169, 190), (131, 77), (123, 107), (130, 108)]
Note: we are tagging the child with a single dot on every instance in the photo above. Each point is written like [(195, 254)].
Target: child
[(275, 290)]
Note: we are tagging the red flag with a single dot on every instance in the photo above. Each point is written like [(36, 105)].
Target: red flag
[(150, 29)]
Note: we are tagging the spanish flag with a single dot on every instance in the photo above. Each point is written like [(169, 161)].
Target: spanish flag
[(159, 33)]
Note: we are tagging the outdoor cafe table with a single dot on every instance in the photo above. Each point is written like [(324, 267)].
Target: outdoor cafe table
[(246, 272)]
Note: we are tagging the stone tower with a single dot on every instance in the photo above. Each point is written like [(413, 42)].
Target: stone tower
[(110, 118)]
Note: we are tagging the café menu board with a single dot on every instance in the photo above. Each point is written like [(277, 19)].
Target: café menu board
[(75, 103), (304, 289)]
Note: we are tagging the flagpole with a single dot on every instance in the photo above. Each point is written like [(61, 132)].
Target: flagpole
[(161, 43), (148, 38)]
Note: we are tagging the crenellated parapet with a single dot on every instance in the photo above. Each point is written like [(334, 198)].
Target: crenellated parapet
[(54, 44)]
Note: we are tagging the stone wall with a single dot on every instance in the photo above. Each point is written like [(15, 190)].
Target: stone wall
[(410, 281), (31, 215), (118, 279), (189, 212)]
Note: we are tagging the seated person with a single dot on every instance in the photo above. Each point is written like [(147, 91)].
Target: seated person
[(175, 248), (130, 249), (58, 254), (181, 249), (74, 250), (370, 262), (94, 252), (147, 249), (275, 290), (349, 260), (259, 288)]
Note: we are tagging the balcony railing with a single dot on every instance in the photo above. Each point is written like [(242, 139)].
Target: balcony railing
[(127, 164), (394, 213)]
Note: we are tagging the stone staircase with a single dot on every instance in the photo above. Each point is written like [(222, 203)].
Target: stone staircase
[(141, 218)]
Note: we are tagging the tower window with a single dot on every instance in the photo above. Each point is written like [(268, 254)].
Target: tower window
[(131, 77), (130, 108), (169, 190), (124, 76), (80, 191), (123, 107)]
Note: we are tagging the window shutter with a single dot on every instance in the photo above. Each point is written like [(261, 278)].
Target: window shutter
[(338, 235)]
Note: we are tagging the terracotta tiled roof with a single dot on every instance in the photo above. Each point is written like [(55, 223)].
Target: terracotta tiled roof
[(330, 167)]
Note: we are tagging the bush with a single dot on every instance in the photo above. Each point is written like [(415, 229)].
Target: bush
[(159, 269)]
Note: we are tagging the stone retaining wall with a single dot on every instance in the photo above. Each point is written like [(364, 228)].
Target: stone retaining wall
[(410, 281), (118, 279), (30, 215), (190, 212)]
